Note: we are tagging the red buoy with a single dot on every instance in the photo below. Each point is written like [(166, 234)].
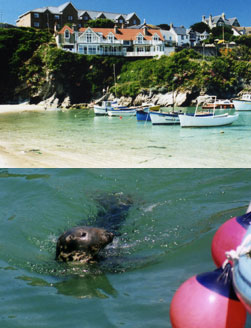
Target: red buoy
[(229, 236), (207, 300)]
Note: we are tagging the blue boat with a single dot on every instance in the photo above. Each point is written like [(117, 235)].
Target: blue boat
[(143, 114)]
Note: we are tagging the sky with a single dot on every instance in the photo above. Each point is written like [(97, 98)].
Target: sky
[(178, 12)]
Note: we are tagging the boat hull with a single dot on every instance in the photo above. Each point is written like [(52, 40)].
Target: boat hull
[(164, 118), (122, 112), (207, 120), (99, 110), (242, 105), (143, 115)]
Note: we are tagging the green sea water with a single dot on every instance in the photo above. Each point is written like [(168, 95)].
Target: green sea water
[(78, 139), (165, 239)]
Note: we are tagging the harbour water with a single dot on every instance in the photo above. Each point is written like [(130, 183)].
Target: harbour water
[(79, 139), (165, 239)]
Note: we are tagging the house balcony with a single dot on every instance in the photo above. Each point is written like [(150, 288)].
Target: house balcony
[(148, 42), (99, 42), (144, 53)]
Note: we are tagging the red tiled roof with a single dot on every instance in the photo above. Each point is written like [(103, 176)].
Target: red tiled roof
[(66, 27), (123, 33)]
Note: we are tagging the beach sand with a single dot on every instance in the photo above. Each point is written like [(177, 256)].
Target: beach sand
[(19, 108)]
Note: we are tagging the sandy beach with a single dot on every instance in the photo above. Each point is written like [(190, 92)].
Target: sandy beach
[(19, 108)]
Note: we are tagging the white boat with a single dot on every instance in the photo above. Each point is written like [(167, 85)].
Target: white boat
[(163, 118), (244, 103), (122, 111), (102, 110), (207, 119)]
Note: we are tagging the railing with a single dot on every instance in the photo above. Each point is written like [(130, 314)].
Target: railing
[(81, 41), (144, 53), (148, 42)]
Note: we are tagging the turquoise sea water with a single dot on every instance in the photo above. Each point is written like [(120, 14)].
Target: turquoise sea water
[(78, 139), (165, 239)]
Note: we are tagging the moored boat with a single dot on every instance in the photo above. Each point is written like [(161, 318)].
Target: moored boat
[(122, 111), (207, 119), (244, 103), (143, 113), (164, 118), (102, 109), (215, 103)]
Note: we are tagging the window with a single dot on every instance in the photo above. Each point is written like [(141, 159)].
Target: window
[(111, 38), (134, 22), (36, 24), (92, 50), (86, 18), (88, 37), (56, 17), (70, 18), (67, 34), (140, 39), (36, 15), (82, 49), (121, 20), (156, 38), (182, 37)]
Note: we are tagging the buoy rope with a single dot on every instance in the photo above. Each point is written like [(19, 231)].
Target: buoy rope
[(243, 249)]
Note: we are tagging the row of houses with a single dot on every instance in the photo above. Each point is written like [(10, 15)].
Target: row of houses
[(48, 17), (136, 41), (128, 38)]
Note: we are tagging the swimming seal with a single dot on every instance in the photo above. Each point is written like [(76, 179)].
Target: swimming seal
[(82, 244)]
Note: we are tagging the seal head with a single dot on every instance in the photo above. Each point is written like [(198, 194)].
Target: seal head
[(82, 243)]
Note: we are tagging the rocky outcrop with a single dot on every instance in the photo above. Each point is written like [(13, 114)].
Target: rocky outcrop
[(177, 98)]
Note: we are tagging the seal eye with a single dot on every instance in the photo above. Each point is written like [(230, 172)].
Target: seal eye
[(83, 234)]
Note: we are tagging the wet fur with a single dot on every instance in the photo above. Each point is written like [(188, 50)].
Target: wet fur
[(83, 244)]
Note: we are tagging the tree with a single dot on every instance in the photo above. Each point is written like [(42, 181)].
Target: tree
[(100, 22), (222, 32), (200, 27), (164, 27)]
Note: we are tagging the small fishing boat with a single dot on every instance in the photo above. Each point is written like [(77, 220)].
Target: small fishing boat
[(244, 103), (164, 118), (214, 103), (102, 109), (207, 119), (143, 113), (122, 111)]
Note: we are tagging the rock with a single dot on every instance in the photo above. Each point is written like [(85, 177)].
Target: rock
[(125, 101), (202, 99), (181, 98), (66, 103), (141, 98)]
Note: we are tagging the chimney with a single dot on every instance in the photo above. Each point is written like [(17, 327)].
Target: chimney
[(203, 18), (223, 16), (171, 25), (210, 21), (74, 27), (116, 29), (145, 30)]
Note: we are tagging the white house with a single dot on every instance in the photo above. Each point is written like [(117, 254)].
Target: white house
[(144, 42), (220, 20)]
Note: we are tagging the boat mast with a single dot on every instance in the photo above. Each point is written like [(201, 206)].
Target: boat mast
[(114, 74)]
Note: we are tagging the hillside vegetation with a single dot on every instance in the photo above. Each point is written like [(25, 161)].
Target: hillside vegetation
[(33, 68)]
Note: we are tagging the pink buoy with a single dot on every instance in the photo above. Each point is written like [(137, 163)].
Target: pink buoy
[(207, 300), (229, 236)]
